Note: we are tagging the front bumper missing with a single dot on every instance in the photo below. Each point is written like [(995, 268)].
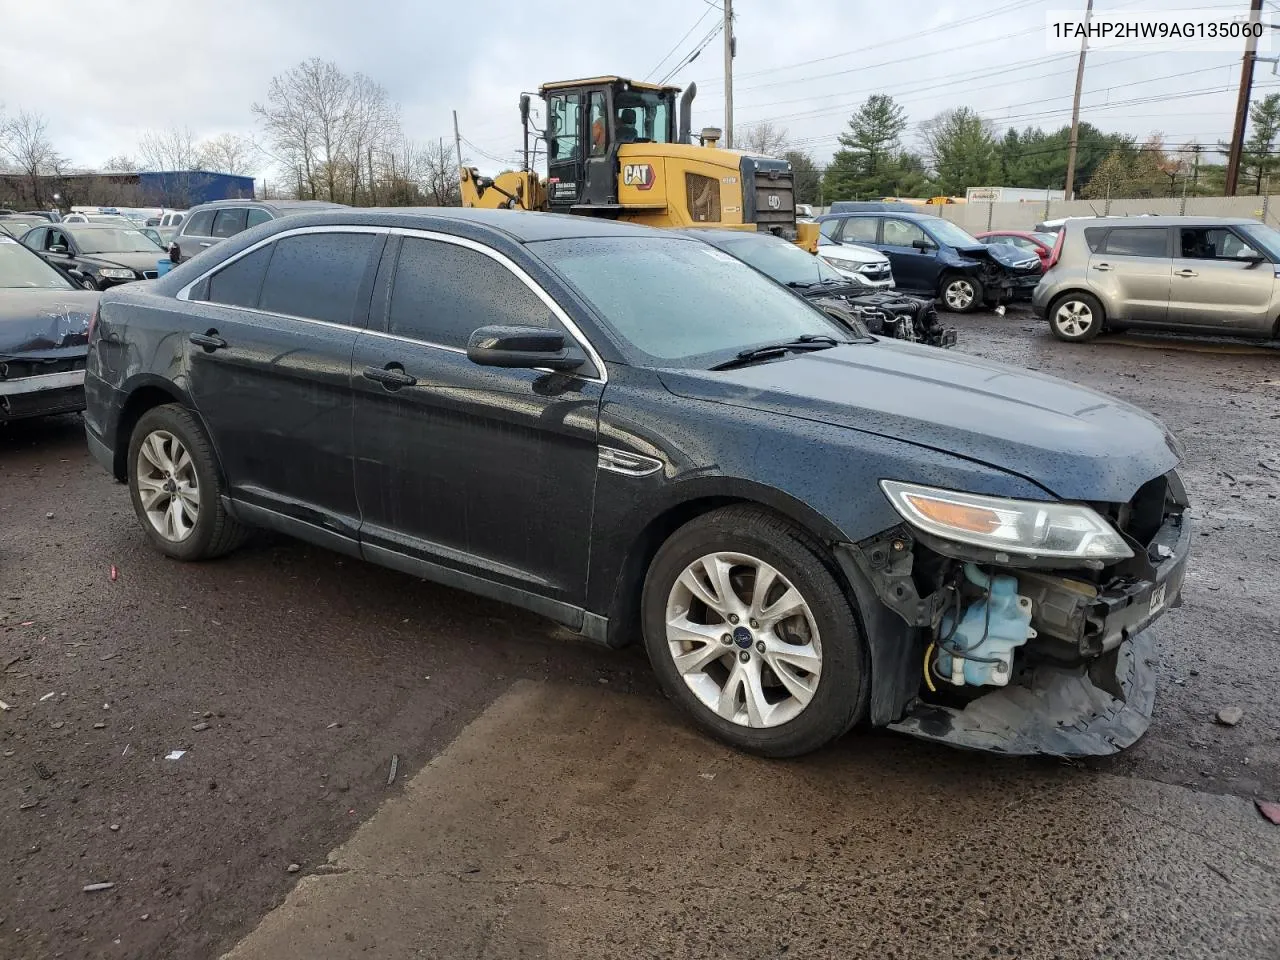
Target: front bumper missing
[(1089, 710), (42, 395)]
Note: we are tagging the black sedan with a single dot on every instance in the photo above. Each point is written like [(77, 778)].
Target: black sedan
[(17, 225), (44, 326), (97, 255), (881, 312), (629, 432)]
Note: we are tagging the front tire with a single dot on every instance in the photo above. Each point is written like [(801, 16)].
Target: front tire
[(792, 674), (1076, 317), (176, 487), (960, 294)]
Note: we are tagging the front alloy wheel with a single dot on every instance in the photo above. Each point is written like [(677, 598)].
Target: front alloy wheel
[(961, 294), (168, 487), (744, 640)]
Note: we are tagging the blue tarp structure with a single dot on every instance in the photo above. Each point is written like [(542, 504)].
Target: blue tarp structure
[(169, 188)]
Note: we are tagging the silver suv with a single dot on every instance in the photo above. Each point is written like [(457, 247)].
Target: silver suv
[(1193, 274), (211, 223)]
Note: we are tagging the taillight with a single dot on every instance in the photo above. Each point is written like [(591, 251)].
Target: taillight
[(93, 321), (1057, 250)]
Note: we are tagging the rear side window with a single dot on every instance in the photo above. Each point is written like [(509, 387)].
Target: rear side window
[(317, 275), (229, 222), (1137, 242), (443, 293), (256, 216), (861, 230), (200, 225), (239, 284)]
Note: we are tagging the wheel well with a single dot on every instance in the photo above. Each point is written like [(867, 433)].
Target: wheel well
[(139, 402), (624, 611)]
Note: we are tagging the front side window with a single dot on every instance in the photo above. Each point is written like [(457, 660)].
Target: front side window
[(902, 233), (443, 293), (672, 302), (317, 275), (704, 198), (200, 225), (256, 216), (229, 222), (239, 283), (599, 126), (1137, 242), (564, 127), (1211, 243)]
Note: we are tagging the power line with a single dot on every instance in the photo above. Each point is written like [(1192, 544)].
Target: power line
[(711, 35), (705, 13)]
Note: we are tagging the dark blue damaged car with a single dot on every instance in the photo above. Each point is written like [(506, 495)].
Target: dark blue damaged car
[(646, 440)]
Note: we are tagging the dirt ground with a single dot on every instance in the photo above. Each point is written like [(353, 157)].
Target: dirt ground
[(291, 677)]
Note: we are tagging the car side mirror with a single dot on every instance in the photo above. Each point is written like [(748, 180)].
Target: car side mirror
[(924, 246), (58, 249), (521, 346), (1250, 256)]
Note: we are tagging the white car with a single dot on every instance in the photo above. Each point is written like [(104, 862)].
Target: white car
[(861, 265)]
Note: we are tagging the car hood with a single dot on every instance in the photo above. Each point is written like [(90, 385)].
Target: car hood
[(44, 323), (134, 261), (852, 253), (1074, 442)]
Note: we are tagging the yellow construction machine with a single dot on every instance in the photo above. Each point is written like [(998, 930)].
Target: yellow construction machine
[(616, 148)]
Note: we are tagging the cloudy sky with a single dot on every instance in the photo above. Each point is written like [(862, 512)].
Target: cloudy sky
[(804, 64)]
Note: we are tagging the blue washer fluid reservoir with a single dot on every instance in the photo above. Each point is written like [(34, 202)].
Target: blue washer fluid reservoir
[(992, 637)]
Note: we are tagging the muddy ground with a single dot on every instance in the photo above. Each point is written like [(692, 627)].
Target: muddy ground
[(291, 676)]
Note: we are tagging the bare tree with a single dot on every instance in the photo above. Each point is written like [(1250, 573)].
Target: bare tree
[(307, 118), (229, 153), (121, 163), (763, 138), (373, 125), (439, 176), (172, 149), (26, 143)]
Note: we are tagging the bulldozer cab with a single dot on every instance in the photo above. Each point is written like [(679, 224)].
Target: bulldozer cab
[(587, 121)]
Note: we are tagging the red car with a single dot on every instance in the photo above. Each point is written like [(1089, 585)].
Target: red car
[(1041, 244)]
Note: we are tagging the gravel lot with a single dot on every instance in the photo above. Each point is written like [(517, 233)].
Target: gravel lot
[(291, 676)]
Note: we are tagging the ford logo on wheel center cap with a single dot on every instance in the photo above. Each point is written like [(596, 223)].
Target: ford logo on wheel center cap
[(742, 637)]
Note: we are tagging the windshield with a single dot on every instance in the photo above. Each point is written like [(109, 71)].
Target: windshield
[(109, 240), (16, 228), (1048, 239), (19, 267), (1265, 238), (947, 232), (680, 303), (783, 261)]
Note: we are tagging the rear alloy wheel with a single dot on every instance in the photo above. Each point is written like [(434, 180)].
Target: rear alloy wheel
[(961, 294), (1076, 317), (749, 630), (176, 487)]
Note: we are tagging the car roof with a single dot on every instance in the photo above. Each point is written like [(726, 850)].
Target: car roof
[(896, 214), (712, 235), (91, 225), (1169, 221), (277, 204), (518, 225)]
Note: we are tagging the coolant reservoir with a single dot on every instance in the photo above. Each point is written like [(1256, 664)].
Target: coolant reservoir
[(990, 635)]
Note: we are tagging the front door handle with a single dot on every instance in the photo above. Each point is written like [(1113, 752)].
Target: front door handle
[(1185, 273), (203, 244), (209, 340), (1104, 267), (392, 376)]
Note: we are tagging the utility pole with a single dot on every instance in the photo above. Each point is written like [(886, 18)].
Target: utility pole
[(1074, 142), (728, 73), (457, 140), (1242, 102)]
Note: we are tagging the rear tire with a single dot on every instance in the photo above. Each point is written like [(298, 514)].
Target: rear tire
[(959, 293), (176, 486), (1076, 317), (786, 683)]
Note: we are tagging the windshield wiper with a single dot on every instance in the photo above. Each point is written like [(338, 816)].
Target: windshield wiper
[(802, 344), (800, 285)]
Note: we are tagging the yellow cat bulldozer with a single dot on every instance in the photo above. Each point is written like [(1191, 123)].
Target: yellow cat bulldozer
[(621, 149)]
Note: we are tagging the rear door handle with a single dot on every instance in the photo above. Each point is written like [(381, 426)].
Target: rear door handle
[(1185, 273), (1104, 267), (203, 244), (392, 376), (210, 341)]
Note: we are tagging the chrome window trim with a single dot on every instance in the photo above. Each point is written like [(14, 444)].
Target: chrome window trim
[(548, 301)]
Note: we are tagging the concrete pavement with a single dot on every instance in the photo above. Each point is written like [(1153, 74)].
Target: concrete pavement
[(575, 822)]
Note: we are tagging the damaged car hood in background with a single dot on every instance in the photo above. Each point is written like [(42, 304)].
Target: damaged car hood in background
[(37, 324), (1074, 442)]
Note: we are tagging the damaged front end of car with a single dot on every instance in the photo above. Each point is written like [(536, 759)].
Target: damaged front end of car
[(1021, 627), (887, 314)]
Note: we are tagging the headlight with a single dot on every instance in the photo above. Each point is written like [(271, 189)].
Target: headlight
[(1029, 527), (846, 269), (117, 273)]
